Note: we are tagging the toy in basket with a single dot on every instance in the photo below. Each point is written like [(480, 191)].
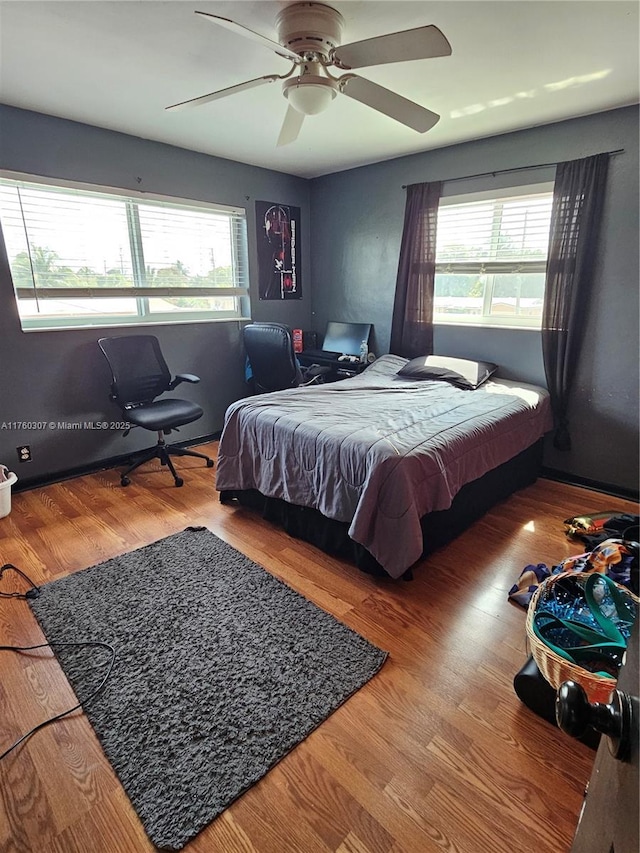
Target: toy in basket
[(578, 625)]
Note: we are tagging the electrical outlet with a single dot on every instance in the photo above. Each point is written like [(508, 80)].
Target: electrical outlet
[(24, 453)]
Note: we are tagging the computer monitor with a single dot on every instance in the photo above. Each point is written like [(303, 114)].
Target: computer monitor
[(346, 338)]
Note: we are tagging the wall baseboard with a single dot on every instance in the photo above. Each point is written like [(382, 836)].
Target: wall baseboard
[(585, 483), (24, 484)]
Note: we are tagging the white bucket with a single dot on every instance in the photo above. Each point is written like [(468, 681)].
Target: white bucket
[(5, 494)]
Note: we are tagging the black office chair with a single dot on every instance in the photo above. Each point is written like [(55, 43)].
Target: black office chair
[(269, 347), (139, 375)]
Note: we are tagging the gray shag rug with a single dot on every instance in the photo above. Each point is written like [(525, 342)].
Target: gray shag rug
[(220, 670)]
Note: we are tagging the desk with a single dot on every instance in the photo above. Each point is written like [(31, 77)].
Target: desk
[(339, 369)]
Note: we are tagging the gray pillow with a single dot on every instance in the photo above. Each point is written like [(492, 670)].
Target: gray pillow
[(461, 372)]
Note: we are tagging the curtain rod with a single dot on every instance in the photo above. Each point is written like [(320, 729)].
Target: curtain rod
[(514, 169)]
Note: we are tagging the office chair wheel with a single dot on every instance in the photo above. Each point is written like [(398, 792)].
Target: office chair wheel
[(124, 481), (179, 482), (209, 463)]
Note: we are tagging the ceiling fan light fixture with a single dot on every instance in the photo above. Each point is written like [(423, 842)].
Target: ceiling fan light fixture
[(310, 95)]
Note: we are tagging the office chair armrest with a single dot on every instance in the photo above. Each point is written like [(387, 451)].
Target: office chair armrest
[(184, 377)]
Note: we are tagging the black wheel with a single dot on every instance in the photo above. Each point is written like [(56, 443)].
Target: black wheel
[(179, 482), (209, 463), (124, 481)]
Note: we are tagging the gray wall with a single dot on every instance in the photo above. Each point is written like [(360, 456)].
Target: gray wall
[(351, 228), (61, 375), (356, 228)]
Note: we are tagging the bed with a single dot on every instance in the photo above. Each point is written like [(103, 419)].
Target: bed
[(382, 468)]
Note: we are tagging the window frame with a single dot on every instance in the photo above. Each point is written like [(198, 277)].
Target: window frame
[(140, 292), (492, 268)]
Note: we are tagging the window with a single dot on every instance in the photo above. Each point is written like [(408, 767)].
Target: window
[(491, 257), (83, 257)]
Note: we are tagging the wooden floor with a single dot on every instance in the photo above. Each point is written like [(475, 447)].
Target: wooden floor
[(436, 753)]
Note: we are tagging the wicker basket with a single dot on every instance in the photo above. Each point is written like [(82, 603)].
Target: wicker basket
[(556, 669)]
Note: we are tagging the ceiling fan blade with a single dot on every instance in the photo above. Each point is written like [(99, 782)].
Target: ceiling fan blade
[(222, 93), (419, 43), (388, 102), (291, 127), (245, 31)]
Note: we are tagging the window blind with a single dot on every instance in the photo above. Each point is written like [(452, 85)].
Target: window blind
[(97, 254), (506, 235)]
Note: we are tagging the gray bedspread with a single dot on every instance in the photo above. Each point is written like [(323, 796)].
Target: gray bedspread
[(377, 451)]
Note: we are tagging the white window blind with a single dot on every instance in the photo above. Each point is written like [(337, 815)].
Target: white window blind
[(491, 258), (81, 257)]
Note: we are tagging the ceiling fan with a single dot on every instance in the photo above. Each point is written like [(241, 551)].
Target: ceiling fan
[(309, 35)]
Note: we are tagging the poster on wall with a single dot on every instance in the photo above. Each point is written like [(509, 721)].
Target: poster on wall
[(278, 227)]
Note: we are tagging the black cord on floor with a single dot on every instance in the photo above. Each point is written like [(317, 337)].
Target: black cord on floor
[(34, 592), (75, 707)]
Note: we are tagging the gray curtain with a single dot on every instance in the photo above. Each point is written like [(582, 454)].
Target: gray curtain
[(412, 323), (577, 206)]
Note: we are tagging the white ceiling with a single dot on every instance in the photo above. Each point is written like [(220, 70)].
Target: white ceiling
[(515, 64)]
